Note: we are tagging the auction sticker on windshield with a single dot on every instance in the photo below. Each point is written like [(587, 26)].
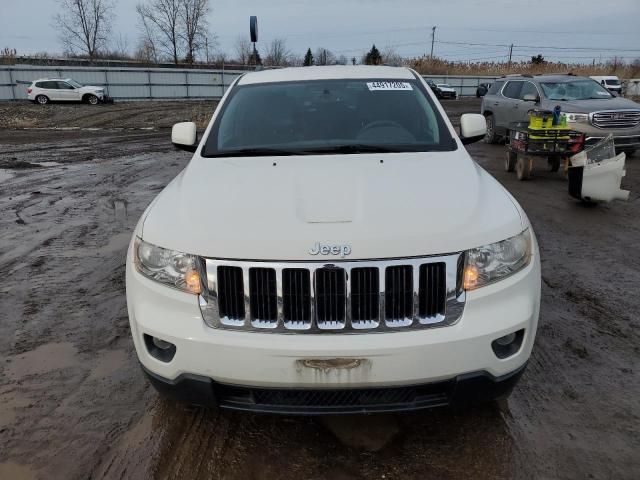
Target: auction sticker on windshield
[(389, 86)]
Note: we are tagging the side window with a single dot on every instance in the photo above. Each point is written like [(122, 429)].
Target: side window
[(40, 85), (51, 85), (512, 90), (495, 88), (64, 86), (528, 88)]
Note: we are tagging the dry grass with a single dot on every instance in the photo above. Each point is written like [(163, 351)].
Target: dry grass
[(439, 66)]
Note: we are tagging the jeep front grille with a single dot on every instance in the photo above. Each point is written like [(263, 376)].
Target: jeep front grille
[(616, 119), (346, 296)]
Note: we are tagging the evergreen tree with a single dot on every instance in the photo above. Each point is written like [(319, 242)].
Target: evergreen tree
[(373, 57), (308, 59), (538, 59)]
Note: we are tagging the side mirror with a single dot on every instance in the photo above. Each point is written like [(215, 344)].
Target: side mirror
[(473, 128), (185, 136), (614, 93), (530, 97)]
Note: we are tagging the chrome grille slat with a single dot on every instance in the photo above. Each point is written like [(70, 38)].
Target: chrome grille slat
[(616, 119), (344, 297), (365, 303)]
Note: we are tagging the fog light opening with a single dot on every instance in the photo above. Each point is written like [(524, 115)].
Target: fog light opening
[(161, 344), (508, 345), (160, 349), (504, 341)]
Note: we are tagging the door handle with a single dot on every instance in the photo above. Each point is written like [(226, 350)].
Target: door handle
[(496, 103)]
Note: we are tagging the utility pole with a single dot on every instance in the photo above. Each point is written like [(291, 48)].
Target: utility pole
[(206, 47), (433, 39), (510, 54)]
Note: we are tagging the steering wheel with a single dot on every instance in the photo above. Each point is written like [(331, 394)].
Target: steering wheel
[(379, 124)]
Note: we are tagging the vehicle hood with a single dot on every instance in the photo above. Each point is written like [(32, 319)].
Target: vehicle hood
[(588, 106), (382, 206)]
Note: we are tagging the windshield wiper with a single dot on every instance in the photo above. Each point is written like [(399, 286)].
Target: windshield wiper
[(331, 149), (253, 152), (354, 148)]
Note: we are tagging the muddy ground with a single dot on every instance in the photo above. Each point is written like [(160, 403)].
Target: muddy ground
[(75, 405)]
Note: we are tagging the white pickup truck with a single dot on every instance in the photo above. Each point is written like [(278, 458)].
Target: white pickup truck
[(331, 247)]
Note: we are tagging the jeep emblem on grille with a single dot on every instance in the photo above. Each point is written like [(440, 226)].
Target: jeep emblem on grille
[(319, 249)]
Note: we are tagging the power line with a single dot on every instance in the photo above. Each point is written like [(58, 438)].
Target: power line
[(591, 49)]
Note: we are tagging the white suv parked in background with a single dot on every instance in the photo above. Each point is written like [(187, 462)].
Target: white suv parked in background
[(46, 90), (332, 247)]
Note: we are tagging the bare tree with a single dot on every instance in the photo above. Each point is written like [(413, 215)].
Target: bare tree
[(84, 25), (277, 53), (121, 47), (243, 49), (324, 57), (145, 52), (342, 60), (147, 47), (391, 57), (163, 19), (193, 15)]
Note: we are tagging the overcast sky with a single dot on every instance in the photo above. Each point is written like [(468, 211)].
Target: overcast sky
[(596, 29)]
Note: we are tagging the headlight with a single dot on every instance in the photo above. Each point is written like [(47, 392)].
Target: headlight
[(577, 117), (485, 265), (175, 269)]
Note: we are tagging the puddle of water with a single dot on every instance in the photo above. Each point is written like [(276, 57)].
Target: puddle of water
[(44, 359), (5, 175), (109, 363), (16, 471)]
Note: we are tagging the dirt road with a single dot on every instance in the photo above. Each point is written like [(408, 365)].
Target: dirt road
[(75, 405)]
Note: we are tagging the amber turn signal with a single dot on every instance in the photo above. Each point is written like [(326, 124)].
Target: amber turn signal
[(470, 279), (192, 281)]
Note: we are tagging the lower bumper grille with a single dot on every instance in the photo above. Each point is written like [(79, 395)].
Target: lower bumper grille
[(329, 401), (341, 297)]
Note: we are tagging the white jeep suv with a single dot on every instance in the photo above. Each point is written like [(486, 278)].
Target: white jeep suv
[(47, 90), (331, 247)]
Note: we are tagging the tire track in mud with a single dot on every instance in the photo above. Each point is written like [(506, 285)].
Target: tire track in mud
[(63, 284), (573, 406)]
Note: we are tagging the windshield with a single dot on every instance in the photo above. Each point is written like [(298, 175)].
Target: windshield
[(575, 90), (612, 82), (73, 83), (445, 85), (327, 116)]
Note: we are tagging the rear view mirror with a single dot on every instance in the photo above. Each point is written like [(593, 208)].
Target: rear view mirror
[(473, 128), (530, 97), (184, 136)]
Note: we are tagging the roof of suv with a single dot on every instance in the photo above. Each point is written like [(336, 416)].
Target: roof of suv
[(53, 78), (552, 77), (327, 73)]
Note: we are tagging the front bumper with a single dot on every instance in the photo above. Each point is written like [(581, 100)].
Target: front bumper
[(459, 391), (289, 361), (624, 138), (631, 142)]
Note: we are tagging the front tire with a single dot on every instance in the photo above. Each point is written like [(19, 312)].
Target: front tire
[(523, 167), (91, 99), (42, 99), (490, 136)]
